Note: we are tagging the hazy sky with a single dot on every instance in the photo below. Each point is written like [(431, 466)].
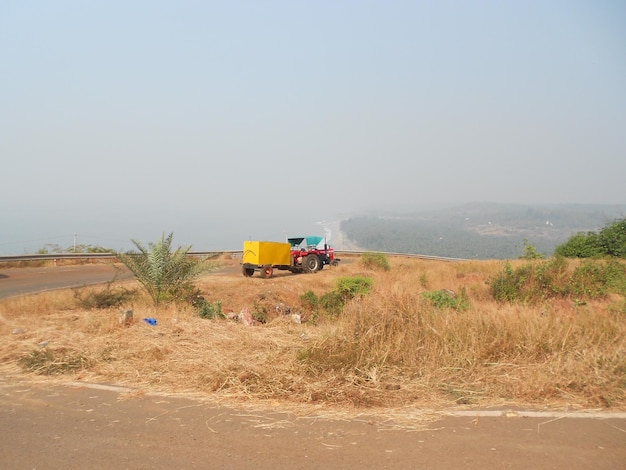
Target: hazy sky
[(223, 121)]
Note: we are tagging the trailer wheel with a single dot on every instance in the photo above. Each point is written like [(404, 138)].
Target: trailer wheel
[(247, 272), (311, 263), (267, 271)]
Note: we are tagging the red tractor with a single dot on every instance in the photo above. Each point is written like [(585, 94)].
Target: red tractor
[(311, 254)]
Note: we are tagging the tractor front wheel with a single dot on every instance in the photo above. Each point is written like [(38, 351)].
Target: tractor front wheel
[(312, 263)]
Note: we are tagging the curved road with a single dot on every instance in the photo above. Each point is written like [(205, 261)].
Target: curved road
[(20, 281)]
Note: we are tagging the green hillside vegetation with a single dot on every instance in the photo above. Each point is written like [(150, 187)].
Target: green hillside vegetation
[(478, 230), (609, 241)]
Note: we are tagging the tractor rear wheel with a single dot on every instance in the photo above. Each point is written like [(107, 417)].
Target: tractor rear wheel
[(267, 271), (312, 263)]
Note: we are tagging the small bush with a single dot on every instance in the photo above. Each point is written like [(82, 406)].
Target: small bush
[(597, 278), (349, 287), (208, 310), (259, 312), (332, 302), (589, 280), (346, 288), (531, 283), (202, 307), (506, 286), (530, 252), (309, 300), (551, 278), (373, 260), (534, 282), (616, 276), (444, 298)]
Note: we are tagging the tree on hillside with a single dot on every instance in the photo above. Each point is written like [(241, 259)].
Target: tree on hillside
[(613, 239), (165, 274), (530, 252), (610, 241)]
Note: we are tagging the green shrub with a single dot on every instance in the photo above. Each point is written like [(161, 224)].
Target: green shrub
[(530, 252), (534, 282), (507, 285), (530, 283), (589, 280), (580, 245), (208, 310), (610, 241), (442, 299), (349, 287), (551, 278), (616, 276), (332, 302), (346, 288), (259, 312), (309, 300), (595, 279), (373, 260)]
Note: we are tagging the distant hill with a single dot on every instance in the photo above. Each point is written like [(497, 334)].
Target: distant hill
[(477, 230)]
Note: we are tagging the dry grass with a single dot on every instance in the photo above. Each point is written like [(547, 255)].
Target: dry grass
[(390, 348)]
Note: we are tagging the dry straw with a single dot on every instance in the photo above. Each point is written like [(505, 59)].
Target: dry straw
[(388, 349)]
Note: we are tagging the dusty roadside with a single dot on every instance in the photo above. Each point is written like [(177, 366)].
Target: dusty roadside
[(52, 425)]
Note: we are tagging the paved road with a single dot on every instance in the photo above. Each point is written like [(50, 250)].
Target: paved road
[(19, 281), (52, 426)]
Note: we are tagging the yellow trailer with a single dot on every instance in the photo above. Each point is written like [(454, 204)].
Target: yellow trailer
[(265, 257)]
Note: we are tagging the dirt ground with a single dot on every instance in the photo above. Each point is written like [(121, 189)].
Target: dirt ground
[(45, 425)]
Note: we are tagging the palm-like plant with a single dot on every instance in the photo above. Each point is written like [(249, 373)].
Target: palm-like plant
[(166, 275)]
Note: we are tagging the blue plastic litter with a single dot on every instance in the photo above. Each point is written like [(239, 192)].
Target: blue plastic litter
[(150, 321)]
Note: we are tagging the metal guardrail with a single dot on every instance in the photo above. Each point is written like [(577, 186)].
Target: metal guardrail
[(53, 256), (60, 256), (406, 255)]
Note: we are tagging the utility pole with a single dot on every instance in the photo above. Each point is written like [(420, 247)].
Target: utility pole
[(74, 242)]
